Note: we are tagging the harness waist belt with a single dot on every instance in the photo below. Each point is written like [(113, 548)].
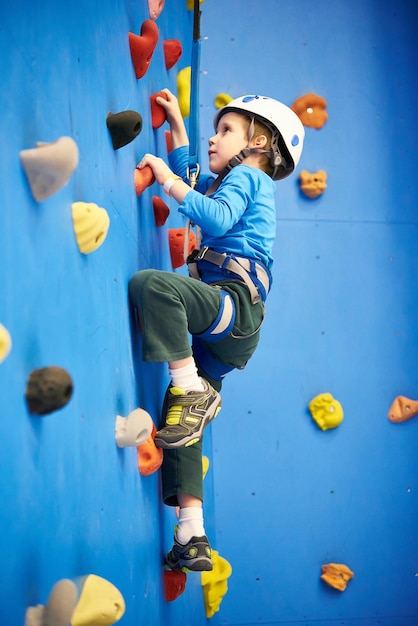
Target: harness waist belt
[(238, 265)]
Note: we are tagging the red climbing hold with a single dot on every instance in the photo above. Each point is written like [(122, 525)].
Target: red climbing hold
[(174, 584), (143, 178), (176, 241), (142, 47), (158, 114), (161, 210), (172, 52), (168, 141)]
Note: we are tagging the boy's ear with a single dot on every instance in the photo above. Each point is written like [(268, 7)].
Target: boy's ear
[(260, 141)]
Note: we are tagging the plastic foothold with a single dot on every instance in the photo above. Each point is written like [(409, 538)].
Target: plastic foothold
[(161, 211), (5, 342), (311, 110), (149, 456), (172, 52), (133, 430), (402, 409), (91, 224), (48, 389), (142, 47), (222, 99), (80, 602), (215, 584), (176, 243), (124, 127), (313, 184), (205, 466), (168, 141), (49, 166), (174, 584), (100, 603), (143, 178), (158, 114), (326, 411), (155, 7), (336, 575), (183, 90)]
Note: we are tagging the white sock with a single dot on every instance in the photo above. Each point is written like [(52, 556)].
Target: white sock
[(186, 377), (190, 524)]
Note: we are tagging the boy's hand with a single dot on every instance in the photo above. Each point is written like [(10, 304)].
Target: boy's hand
[(159, 168), (171, 107)]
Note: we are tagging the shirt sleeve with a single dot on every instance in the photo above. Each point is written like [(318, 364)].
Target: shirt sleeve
[(217, 214)]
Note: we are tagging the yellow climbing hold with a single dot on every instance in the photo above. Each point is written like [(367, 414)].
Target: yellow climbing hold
[(5, 342), (100, 604), (205, 466), (190, 4), (91, 224), (222, 99), (215, 584), (183, 90), (326, 411)]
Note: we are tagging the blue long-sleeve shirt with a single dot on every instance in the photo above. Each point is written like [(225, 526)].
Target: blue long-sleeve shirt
[(239, 217)]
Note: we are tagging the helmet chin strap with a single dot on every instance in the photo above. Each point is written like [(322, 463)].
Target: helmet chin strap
[(238, 159)]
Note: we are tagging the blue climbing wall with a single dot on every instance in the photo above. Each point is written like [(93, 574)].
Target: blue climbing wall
[(283, 497)]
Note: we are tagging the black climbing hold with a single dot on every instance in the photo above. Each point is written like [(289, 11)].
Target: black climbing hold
[(48, 389), (123, 127)]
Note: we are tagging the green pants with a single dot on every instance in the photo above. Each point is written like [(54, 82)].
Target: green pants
[(171, 307)]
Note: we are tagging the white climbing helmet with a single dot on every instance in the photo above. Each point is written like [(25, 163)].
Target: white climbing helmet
[(288, 131)]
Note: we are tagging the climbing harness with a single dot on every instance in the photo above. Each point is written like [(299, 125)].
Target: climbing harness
[(253, 274)]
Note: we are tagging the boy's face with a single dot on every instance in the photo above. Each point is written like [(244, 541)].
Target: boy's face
[(230, 139)]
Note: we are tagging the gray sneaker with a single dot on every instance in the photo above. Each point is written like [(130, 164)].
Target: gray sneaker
[(195, 556), (187, 416)]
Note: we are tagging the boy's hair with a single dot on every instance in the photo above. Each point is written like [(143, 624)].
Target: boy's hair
[(261, 129)]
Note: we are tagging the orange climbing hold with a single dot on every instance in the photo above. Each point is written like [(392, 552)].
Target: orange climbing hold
[(172, 52), (174, 584), (176, 241), (142, 47), (149, 456), (402, 409), (336, 575), (143, 178), (158, 114), (313, 184), (161, 210), (310, 109)]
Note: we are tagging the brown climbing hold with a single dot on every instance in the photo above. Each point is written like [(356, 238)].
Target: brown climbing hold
[(174, 584), (123, 127), (161, 210), (158, 114), (142, 47), (172, 52), (310, 109), (176, 242), (48, 389), (143, 178), (402, 409), (149, 456)]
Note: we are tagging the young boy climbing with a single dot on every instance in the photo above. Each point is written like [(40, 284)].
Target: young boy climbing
[(221, 304)]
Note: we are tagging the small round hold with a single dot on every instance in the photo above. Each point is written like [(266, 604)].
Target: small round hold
[(123, 127), (48, 389)]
